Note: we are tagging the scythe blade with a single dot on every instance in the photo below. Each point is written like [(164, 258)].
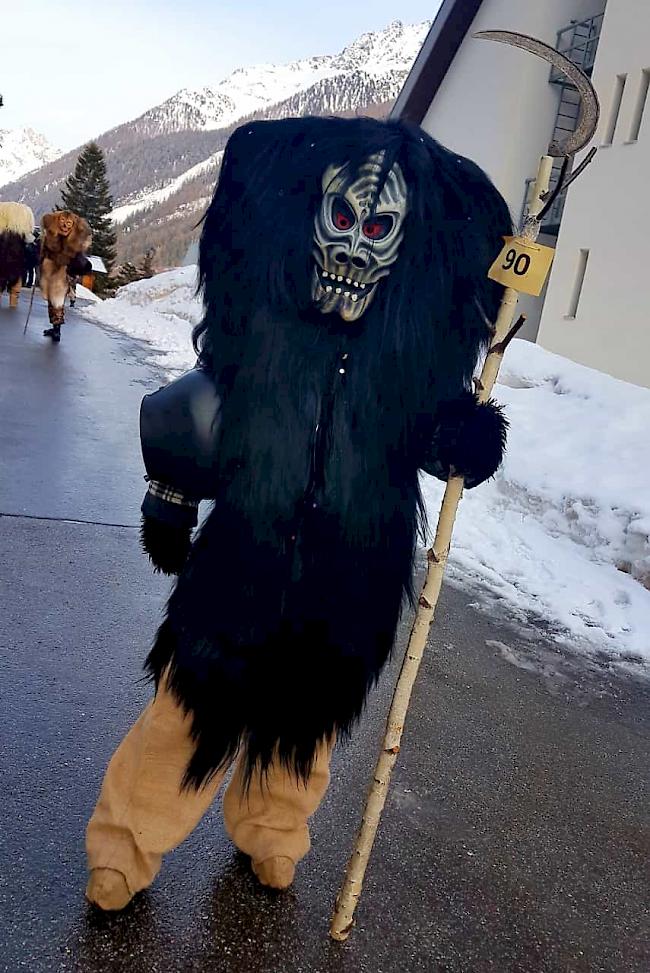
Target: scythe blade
[(589, 108)]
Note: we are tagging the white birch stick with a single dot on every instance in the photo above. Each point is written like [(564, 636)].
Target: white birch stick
[(350, 892)]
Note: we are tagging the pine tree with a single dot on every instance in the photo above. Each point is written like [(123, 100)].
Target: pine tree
[(87, 193), (126, 274), (146, 264)]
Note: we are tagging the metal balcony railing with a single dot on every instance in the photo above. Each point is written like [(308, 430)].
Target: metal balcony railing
[(578, 42)]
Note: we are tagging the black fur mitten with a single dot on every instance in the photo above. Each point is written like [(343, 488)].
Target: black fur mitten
[(468, 437), (166, 544)]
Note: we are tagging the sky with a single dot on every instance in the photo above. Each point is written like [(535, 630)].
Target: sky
[(72, 70)]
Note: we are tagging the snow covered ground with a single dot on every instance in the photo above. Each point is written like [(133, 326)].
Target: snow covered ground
[(562, 533), (85, 294), (161, 311)]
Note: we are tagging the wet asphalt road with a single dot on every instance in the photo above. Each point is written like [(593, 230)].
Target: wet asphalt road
[(516, 834)]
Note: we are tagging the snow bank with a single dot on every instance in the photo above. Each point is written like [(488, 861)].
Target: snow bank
[(562, 533), (563, 530), (85, 294), (161, 311)]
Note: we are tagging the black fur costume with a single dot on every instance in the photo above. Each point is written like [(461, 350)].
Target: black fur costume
[(13, 259), (286, 607)]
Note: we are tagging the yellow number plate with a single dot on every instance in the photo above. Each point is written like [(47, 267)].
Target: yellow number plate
[(522, 265)]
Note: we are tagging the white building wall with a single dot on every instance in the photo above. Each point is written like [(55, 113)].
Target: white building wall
[(495, 104), (608, 213)]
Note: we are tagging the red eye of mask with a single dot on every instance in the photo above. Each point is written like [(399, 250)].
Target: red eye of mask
[(342, 215), (378, 228)]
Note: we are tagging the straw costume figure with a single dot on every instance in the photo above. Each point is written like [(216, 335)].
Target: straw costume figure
[(343, 268), (16, 235)]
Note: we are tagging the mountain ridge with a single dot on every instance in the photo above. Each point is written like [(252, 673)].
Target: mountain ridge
[(23, 150), (170, 154)]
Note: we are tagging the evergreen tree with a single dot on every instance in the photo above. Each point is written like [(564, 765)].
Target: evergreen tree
[(146, 264), (87, 193), (126, 274)]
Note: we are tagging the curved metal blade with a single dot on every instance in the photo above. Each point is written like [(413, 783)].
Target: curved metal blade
[(589, 107)]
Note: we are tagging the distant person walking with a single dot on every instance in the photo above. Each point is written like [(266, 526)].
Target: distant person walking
[(66, 240), (16, 234), (32, 258), (71, 293)]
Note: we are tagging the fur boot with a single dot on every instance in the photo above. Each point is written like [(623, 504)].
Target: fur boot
[(56, 316)]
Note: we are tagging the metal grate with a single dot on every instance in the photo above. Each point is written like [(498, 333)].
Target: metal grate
[(578, 42)]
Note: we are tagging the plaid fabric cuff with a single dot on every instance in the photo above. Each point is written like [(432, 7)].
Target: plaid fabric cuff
[(165, 503), (170, 495)]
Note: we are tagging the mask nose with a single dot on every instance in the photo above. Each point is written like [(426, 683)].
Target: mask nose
[(357, 261)]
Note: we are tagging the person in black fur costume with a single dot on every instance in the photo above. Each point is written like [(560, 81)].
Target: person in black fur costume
[(16, 236), (343, 266)]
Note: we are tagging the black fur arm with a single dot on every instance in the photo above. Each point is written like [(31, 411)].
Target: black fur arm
[(468, 437), (166, 529), (79, 265)]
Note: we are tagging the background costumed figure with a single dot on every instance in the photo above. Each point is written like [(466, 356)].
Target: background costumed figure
[(66, 239), (16, 235), (343, 266)]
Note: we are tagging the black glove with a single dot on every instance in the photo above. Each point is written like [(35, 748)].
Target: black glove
[(469, 438), (166, 544)]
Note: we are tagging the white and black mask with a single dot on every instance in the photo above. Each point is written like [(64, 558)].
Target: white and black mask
[(357, 235)]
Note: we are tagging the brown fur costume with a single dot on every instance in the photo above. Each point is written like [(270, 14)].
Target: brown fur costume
[(65, 236), (16, 232)]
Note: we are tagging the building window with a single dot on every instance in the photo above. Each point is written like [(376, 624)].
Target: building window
[(637, 118), (619, 88), (579, 281)]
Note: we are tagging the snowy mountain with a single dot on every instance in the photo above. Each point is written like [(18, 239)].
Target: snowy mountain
[(148, 199), (369, 71), (21, 151), (250, 90), (162, 166)]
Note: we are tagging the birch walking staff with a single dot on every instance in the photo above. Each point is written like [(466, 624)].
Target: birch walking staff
[(518, 263), (29, 310)]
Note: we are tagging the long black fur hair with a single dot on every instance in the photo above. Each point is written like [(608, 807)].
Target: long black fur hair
[(286, 610), (256, 245), (12, 259)]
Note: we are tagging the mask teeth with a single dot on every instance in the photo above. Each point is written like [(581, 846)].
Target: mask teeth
[(326, 275)]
